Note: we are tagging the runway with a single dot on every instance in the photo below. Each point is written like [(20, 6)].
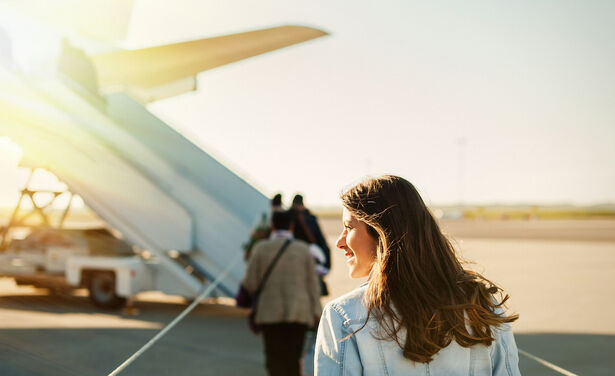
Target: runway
[(558, 282)]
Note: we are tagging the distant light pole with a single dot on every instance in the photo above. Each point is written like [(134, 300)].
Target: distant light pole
[(461, 143)]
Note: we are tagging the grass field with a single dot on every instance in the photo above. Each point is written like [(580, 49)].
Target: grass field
[(536, 212), (517, 212)]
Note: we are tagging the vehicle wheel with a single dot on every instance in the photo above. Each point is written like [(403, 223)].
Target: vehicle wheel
[(102, 290)]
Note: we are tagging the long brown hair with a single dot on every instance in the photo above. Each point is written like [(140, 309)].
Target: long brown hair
[(417, 285)]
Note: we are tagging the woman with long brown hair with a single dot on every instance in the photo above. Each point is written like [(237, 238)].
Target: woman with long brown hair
[(421, 312)]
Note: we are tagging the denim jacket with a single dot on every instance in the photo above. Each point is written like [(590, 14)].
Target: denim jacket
[(362, 354)]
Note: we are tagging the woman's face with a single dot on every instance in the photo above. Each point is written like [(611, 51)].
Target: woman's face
[(359, 245)]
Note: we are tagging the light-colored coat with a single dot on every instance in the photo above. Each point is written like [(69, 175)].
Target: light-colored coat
[(292, 292)]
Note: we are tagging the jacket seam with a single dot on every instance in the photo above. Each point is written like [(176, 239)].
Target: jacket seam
[(473, 360), (381, 353), (506, 359), (342, 357)]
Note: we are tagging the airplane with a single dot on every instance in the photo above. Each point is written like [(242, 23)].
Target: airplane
[(185, 214)]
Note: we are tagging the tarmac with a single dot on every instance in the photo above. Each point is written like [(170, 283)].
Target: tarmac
[(558, 274)]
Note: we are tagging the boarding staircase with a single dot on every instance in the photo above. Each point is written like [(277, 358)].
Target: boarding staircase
[(138, 174)]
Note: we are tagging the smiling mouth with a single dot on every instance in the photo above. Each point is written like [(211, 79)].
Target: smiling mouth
[(348, 254)]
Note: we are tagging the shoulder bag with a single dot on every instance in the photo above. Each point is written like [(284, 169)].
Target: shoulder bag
[(246, 301)]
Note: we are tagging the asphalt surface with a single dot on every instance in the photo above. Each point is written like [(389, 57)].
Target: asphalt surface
[(560, 285), (66, 335)]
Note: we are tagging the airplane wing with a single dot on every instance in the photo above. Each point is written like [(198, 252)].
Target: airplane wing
[(158, 72)]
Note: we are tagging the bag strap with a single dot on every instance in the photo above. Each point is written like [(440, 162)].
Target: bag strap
[(268, 272)]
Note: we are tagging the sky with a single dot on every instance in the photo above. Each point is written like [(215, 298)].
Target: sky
[(477, 101)]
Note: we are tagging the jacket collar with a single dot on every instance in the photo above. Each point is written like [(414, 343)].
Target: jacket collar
[(281, 234)]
